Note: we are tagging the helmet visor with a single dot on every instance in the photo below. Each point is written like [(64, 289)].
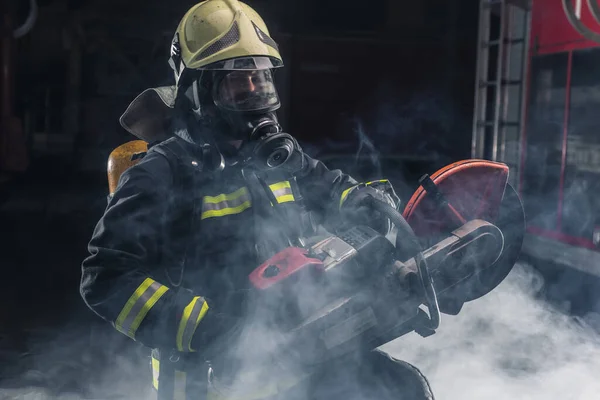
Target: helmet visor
[(249, 90), (245, 63)]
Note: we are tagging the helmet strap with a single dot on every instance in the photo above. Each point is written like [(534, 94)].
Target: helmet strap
[(196, 104), (175, 57)]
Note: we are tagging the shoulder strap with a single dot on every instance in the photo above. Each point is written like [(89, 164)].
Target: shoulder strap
[(174, 150), (186, 169)]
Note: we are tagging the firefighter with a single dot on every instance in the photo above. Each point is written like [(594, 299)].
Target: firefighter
[(220, 190)]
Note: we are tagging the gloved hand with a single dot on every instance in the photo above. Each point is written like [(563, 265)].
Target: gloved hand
[(224, 318), (354, 211), (216, 333)]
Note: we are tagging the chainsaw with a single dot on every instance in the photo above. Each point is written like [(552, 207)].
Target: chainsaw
[(457, 239)]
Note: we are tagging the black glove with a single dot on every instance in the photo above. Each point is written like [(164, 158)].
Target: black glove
[(216, 333), (354, 210), (224, 318)]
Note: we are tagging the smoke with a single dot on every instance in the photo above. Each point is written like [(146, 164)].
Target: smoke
[(509, 344), (78, 361), (419, 126), (367, 145)]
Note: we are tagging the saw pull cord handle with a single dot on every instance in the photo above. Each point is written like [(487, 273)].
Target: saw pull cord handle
[(407, 245)]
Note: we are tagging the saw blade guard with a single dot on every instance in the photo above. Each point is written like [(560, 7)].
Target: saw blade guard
[(465, 191)]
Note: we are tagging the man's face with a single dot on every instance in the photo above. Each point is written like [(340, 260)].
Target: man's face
[(246, 90)]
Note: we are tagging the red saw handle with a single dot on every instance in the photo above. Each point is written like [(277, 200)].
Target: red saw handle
[(283, 265)]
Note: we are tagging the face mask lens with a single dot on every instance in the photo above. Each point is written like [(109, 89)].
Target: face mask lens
[(252, 90), (278, 157), (273, 151)]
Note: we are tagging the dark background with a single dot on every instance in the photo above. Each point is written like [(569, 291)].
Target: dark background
[(393, 78)]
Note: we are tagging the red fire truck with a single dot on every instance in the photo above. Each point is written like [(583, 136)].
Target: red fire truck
[(537, 108)]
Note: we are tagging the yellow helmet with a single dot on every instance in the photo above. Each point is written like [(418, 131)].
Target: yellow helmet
[(222, 35)]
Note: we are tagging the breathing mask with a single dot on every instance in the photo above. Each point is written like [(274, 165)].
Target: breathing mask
[(247, 101), (238, 99)]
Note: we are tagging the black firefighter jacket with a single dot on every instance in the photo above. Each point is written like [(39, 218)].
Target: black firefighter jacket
[(217, 226)]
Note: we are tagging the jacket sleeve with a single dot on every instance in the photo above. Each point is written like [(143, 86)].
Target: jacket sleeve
[(118, 282), (323, 189), (326, 191)]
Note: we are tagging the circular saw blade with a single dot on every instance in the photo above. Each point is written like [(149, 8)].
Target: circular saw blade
[(511, 222)]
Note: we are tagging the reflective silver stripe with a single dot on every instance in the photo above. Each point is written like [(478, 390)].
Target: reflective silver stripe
[(282, 192), (190, 318), (138, 305), (189, 322), (225, 204)]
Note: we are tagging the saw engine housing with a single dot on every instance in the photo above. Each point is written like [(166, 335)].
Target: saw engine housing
[(355, 291)]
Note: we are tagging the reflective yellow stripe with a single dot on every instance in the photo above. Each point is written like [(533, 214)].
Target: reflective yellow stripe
[(138, 305), (226, 197), (280, 185), (285, 198), (226, 204), (378, 181), (179, 385), (283, 192), (346, 192), (226, 211), (155, 372), (192, 314)]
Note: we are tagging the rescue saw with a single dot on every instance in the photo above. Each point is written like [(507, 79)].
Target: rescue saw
[(457, 239)]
